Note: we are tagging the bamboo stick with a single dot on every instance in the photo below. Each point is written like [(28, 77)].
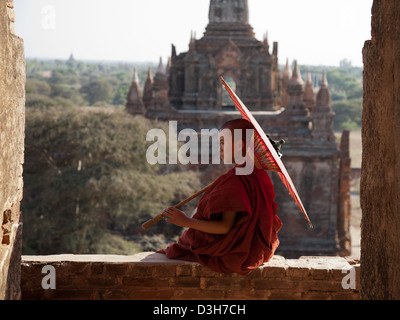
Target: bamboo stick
[(158, 218)]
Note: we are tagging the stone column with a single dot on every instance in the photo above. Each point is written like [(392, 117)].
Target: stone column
[(12, 128), (380, 175)]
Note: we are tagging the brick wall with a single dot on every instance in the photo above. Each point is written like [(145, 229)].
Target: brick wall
[(12, 129), (11, 15), (152, 276), (380, 173)]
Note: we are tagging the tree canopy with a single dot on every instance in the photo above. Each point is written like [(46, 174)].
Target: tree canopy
[(88, 186)]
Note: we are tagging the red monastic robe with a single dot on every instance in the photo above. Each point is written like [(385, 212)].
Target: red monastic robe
[(253, 238)]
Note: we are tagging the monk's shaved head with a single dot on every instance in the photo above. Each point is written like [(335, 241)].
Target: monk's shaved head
[(238, 124)]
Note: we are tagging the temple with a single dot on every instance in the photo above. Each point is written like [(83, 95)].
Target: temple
[(186, 89)]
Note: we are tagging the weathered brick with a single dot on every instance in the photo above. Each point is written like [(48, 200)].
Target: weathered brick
[(32, 270), (279, 294), (32, 294), (164, 270), (185, 282), (136, 280), (273, 283), (319, 274), (257, 273), (252, 294), (68, 281), (153, 294), (297, 268), (198, 294), (77, 267), (202, 271), (274, 272), (149, 282), (101, 281), (70, 294), (115, 269), (96, 267), (317, 295), (113, 294), (63, 269), (138, 270), (339, 273), (184, 270), (321, 285), (350, 295), (218, 283)]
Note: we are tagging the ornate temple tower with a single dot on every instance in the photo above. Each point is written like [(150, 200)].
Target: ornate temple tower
[(229, 49)]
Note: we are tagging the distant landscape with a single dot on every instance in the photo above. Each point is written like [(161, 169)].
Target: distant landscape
[(88, 186)]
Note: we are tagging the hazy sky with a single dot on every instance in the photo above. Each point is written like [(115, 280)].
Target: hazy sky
[(315, 32)]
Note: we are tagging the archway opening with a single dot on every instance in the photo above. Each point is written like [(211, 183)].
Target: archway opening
[(227, 103)]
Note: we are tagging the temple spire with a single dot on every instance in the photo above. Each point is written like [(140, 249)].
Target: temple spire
[(309, 96), (265, 42), (295, 112), (160, 90), (322, 115), (324, 95), (168, 67), (192, 43), (148, 88), (160, 68), (173, 51), (232, 11), (287, 75), (135, 104), (295, 90), (135, 77), (296, 76)]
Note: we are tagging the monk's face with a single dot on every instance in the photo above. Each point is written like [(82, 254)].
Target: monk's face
[(228, 147), (237, 145)]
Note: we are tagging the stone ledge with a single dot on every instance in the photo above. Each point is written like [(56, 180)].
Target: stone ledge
[(152, 276)]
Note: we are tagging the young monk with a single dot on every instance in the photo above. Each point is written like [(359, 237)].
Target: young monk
[(235, 227)]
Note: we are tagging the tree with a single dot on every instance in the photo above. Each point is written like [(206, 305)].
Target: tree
[(97, 90), (88, 186), (348, 114), (36, 86), (340, 80)]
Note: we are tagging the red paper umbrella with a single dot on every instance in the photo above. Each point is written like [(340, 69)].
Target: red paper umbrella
[(265, 152)]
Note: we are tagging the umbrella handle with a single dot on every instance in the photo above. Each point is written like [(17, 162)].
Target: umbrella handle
[(159, 217)]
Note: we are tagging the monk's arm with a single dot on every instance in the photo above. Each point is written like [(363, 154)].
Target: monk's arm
[(222, 226)]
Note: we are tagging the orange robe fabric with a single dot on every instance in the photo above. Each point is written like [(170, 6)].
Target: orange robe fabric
[(253, 238)]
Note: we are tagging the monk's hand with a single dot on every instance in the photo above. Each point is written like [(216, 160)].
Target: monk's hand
[(176, 216)]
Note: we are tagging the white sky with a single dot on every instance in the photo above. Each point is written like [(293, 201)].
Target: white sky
[(315, 32)]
